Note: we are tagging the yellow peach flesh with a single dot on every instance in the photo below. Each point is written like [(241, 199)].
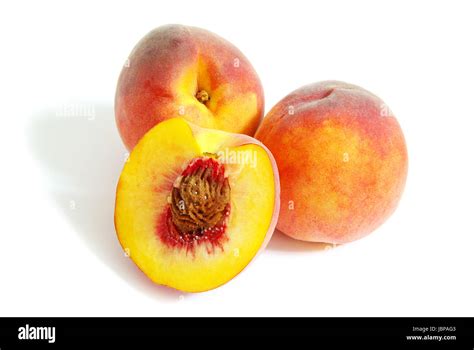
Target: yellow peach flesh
[(142, 198)]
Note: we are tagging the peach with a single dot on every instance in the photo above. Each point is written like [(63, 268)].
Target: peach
[(194, 205), (190, 72), (342, 160)]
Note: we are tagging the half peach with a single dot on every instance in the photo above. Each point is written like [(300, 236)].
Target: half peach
[(194, 206)]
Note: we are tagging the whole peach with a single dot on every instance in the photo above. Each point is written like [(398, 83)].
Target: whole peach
[(342, 160), (180, 71)]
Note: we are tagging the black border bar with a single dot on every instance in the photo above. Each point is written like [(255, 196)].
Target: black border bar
[(410, 333)]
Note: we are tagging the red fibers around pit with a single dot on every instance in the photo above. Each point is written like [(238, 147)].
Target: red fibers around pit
[(213, 237), (217, 168)]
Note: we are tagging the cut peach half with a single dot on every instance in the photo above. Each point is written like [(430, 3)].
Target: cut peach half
[(194, 206)]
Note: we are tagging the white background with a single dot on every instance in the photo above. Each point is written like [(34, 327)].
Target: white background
[(58, 251)]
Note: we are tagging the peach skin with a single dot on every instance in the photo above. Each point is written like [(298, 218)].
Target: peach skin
[(342, 160), (180, 71)]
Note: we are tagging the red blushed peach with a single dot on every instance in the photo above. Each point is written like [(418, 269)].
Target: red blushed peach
[(342, 160), (186, 71), (194, 205)]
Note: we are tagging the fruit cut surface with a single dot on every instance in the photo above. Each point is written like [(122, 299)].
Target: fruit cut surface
[(165, 158)]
